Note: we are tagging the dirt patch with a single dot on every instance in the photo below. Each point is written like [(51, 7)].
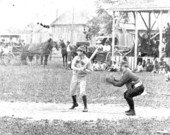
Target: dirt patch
[(51, 111)]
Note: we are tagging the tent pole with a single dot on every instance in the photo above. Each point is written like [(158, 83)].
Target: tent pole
[(136, 41), (160, 35), (113, 36)]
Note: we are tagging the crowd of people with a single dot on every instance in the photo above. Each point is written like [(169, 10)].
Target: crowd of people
[(154, 66), (6, 44)]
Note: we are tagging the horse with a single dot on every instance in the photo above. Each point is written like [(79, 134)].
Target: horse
[(42, 49), (63, 47), (47, 52)]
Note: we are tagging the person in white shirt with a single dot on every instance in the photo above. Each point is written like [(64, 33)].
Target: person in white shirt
[(95, 66), (114, 67), (68, 55), (103, 66), (106, 48), (139, 67)]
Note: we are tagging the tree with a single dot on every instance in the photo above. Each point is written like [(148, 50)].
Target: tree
[(103, 20)]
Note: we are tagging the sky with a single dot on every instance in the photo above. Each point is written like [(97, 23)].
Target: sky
[(19, 13)]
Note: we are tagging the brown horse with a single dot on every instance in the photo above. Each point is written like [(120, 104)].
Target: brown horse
[(42, 49)]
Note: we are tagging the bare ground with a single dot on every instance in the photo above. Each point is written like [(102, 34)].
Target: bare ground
[(52, 111)]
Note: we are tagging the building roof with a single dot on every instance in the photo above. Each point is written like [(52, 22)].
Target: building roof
[(80, 17), (143, 6)]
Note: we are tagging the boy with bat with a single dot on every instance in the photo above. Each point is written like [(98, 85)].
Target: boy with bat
[(134, 86), (81, 67)]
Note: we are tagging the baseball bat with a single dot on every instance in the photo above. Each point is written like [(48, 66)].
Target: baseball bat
[(92, 56)]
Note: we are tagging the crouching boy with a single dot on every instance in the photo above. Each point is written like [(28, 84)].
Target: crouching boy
[(81, 67), (133, 84)]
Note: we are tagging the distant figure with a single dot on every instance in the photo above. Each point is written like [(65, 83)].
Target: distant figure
[(155, 66), (165, 68), (139, 68), (149, 66), (95, 66), (144, 64), (114, 67), (107, 46), (103, 66), (161, 65), (68, 55)]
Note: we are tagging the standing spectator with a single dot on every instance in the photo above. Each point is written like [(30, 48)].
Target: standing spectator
[(68, 55)]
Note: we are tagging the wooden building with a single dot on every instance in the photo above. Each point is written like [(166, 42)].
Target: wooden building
[(70, 26), (155, 9)]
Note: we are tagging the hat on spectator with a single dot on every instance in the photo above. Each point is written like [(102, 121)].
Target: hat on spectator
[(124, 63), (81, 48), (98, 42)]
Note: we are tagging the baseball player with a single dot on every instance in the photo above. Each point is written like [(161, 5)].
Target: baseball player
[(81, 67), (134, 86)]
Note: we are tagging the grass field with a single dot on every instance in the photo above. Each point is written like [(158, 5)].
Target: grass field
[(51, 84)]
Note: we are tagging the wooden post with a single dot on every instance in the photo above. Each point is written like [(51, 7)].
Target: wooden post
[(136, 40), (113, 36), (72, 28), (160, 35), (149, 30)]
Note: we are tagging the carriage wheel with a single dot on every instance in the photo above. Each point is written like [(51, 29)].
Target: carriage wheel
[(8, 59), (12, 59), (5, 60)]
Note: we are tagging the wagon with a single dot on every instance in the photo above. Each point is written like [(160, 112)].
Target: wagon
[(8, 54)]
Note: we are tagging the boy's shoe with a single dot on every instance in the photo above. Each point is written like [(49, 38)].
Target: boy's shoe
[(85, 110), (131, 113), (74, 105), (127, 111)]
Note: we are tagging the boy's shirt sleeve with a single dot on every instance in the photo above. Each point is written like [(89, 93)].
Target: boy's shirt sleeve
[(73, 65), (124, 79)]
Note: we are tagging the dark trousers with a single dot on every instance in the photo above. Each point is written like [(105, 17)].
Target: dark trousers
[(129, 94)]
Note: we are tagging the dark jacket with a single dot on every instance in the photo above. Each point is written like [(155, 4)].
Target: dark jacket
[(128, 78)]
